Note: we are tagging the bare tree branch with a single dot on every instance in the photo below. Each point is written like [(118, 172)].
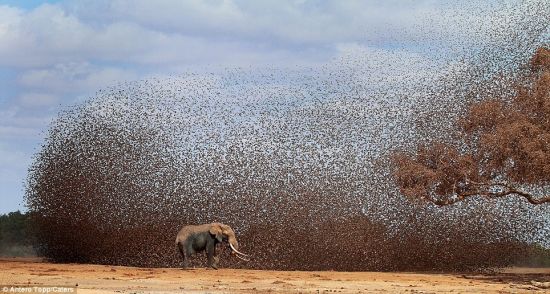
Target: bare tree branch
[(506, 190), (509, 190)]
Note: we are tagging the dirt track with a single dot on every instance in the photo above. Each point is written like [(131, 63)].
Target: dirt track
[(108, 279)]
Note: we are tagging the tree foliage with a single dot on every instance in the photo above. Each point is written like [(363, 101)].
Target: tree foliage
[(503, 148), (15, 236)]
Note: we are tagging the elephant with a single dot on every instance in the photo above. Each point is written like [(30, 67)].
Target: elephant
[(197, 238)]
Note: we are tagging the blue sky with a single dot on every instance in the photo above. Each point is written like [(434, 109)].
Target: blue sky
[(54, 54)]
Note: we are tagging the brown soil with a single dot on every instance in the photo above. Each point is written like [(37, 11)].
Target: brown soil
[(120, 279)]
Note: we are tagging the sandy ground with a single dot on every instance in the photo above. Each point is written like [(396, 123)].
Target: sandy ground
[(119, 279)]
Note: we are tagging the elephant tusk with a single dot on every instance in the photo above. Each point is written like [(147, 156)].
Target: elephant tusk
[(242, 258), (235, 250)]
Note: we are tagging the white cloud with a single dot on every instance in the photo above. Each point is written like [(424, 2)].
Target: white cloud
[(12, 159), (17, 122), (9, 17), (75, 77), (38, 99), (225, 32), (50, 35), (283, 21), (40, 37), (11, 132)]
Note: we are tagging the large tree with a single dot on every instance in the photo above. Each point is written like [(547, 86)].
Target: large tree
[(503, 148)]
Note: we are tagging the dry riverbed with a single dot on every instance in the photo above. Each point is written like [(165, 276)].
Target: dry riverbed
[(86, 278)]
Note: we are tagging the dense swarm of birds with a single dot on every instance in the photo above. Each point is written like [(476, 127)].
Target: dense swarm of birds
[(295, 160)]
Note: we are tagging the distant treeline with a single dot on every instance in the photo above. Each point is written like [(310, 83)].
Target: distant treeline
[(15, 235), (538, 257)]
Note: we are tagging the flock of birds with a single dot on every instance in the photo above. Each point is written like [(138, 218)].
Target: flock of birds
[(290, 158)]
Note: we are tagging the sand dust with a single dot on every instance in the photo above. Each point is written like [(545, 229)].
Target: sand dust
[(120, 279)]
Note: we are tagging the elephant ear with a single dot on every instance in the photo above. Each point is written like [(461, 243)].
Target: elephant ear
[(216, 230)]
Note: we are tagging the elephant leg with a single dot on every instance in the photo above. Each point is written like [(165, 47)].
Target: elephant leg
[(212, 257), (215, 262), (185, 261), (216, 257), (184, 256)]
